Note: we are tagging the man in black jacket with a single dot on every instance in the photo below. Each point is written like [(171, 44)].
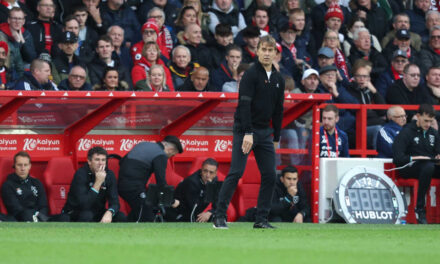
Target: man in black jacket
[(289, 202), (418, 143), (23, 195), (136, 169), (92, 186), (191, 194), (261, 98)]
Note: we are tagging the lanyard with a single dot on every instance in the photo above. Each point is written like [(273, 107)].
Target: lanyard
[(328, 144)]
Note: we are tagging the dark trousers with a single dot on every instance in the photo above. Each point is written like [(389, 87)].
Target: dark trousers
[(424, 171), (265, 156), (140, 212)]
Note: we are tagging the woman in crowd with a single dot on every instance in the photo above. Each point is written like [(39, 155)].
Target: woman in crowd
[(331, 40), (110, 81)]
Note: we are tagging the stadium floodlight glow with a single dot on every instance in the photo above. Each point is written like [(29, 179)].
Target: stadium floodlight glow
[(367, 196)]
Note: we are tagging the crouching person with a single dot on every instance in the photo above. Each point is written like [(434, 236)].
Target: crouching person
[(92, 186), (289, 200)]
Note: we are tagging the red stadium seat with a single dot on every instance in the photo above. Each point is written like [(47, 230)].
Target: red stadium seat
[(57, 178), (5, 169), (249, 187)]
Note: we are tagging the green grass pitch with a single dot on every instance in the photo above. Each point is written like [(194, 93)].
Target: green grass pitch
[(65, 243)]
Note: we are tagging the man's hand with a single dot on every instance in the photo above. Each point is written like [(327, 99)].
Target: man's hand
[(204, 217), (176, 203), (371, 87), (248, 141), (276, 145), (99, 178), (95, 13), (292, 190), (18, 36), (362, 14), (299, 218), (333, 89), (107, 217)]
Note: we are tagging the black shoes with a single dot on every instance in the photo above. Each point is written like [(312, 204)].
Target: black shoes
[(421, 216), (264, 225), (220, 223)]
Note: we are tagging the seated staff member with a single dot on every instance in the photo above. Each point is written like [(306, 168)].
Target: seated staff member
[(333, 142)]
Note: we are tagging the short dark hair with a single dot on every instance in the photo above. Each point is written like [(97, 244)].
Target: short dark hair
[(69, 18), (223, 30), (243, 67), (105, 38), (426, 109), (210, 161), (251, 32), (233, 47), (331, 108), (96, 150), (289, 169), (261, 8), (22, 154), (175, 141), (79, 8), (406, 68)]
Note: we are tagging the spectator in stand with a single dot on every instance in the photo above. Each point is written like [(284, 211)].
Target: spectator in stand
[(332, 41), (156, 80), (362, 49), (419, 142), (433, 85), (364, 91), (274, 15), (104, 59), (289, 203), (223, 11), (169, 8), (260, 19), (333, 21), (24, 196), (417, 16), (375, 16), (402, 21), (326, 57), (228, 70), (289, 6), (150, 57), (401, 42), (94, 19), (329, 84), (37, 78), (251, 36), (87, 36), (429, 56), (66, 59), (202, 17), (116, 33), (353, 25), (76, 81), (393, 73), (7, 5), (164, 37), (111, 82), (192, 39), (318, 18), (304, 40), (191, 193), (150, 33), (93, 186), (333, 142), (116, 12), (232, 86), (44, 30), (432, 19), (181, 66), (289, 52), (198, 82), (223, 38), (396, 120), (20, 42), (408, 89), (187, 16)]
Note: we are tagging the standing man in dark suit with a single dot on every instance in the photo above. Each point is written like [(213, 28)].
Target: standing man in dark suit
[(261, 98)]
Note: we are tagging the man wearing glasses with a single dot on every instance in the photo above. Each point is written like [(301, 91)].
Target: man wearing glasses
[(76, 81), (394, 72), (429, 56), (385, 138)]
